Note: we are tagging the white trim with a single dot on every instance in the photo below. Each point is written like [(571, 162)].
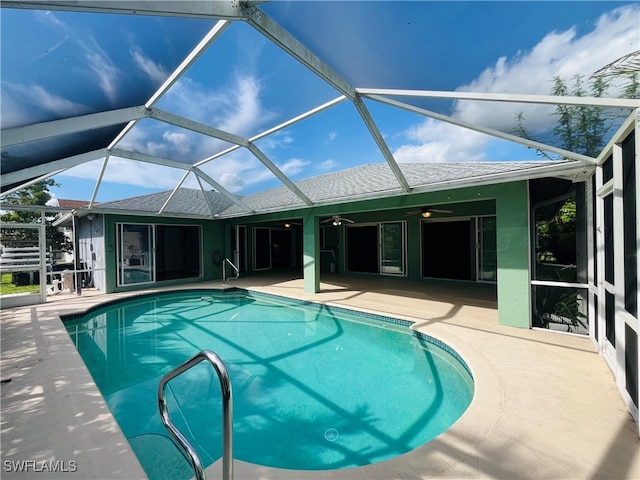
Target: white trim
[(618, 261), (192, 125), (67, 126), (46, 168), (27, 184), (183, 8), (550, 283), (143, 157), (591, 261), (605, 189), (506, 97), (625, 129)]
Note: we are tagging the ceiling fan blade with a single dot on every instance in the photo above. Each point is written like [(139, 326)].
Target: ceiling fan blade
[(436, 210)]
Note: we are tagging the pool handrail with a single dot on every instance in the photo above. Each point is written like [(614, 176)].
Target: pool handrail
[(227, 414), (225, 279)]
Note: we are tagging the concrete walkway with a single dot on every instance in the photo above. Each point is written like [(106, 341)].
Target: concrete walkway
[(545, 405)]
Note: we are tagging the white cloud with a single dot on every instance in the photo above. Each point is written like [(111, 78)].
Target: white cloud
[(99, 68), (129, 172), (104, 71), (153, 70), (276, 141), (235, 108), (563, 54), (180, 141), (232, 181), (293, 166), (237, 170), (558, 54), (328, 165), (14, 96), (331, 137), (442, 142)]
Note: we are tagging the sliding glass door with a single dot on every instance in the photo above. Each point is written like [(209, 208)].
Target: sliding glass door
[(460, 249), (487, 250), (149, 253), (362, 248), (377, 248)]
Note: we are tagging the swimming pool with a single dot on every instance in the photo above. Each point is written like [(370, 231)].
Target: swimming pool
[(314, 387)]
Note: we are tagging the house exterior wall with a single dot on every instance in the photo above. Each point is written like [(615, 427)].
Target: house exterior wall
[(508, 201), (213, 240)]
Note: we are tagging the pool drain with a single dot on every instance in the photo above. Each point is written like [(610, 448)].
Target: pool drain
[(331, 434)]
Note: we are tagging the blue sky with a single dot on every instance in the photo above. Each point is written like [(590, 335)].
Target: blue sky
[(243, 84)]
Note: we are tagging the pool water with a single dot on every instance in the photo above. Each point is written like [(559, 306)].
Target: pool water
[(314, 387)]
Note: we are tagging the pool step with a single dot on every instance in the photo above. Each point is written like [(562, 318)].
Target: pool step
[(160, 456)]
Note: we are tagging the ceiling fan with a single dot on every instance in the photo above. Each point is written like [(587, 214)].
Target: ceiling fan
[(289, 224), (426, 212), (337, 220)]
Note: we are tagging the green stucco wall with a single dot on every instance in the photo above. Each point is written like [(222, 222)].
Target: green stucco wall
[(508, 201), (514, 303)]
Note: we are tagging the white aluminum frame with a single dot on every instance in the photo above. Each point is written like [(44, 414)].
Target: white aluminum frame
[(614, 355)]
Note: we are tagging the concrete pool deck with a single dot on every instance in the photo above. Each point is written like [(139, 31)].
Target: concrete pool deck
[(545, 405)]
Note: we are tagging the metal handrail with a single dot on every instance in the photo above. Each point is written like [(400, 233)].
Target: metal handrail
[(227, 414), (225, 280)]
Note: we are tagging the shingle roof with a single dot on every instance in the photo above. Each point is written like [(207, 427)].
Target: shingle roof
[(378, 179), (336, 187), (64, 203), (186, 201)]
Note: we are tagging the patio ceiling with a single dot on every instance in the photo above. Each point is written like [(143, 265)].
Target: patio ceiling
[(55, 121)]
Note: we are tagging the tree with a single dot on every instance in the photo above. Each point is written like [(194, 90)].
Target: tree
[(580, 129), (35, 194), (583, 129)]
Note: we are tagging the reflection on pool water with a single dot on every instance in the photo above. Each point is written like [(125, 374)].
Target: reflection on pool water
[(314, 387)]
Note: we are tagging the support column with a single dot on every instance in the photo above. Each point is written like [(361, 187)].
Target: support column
[(311, 253), (514, 304)]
